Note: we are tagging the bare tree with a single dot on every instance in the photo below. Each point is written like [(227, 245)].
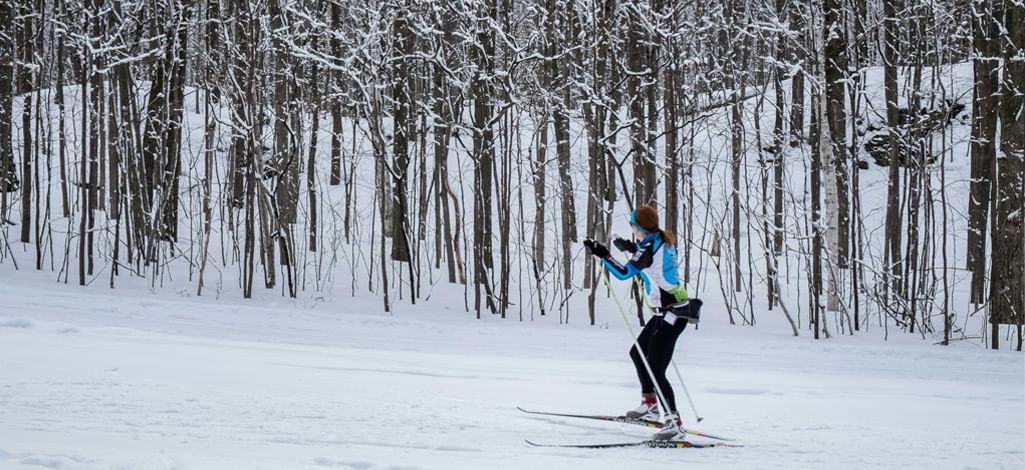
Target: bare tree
[(8, 172), (1007, 284), (985, 98), (482, 91), (835, 65), (401, 90), (893, 218), (637, 91)]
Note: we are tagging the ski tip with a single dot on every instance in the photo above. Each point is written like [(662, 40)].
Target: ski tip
[(709, 436), (706, 435)]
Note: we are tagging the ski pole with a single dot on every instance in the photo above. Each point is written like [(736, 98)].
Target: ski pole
[(686, 393)]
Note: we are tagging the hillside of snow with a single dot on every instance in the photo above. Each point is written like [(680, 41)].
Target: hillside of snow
[(149, 375)]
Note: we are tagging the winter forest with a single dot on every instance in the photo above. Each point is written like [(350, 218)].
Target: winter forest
[(388, 147), (351, 233)]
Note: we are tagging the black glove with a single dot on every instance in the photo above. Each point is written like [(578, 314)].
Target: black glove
[(596, 249), (625, 245)]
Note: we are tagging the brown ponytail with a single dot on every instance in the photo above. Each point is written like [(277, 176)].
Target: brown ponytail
[(668, 237)]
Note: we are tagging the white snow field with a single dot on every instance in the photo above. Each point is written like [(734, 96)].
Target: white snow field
[(92, 378)]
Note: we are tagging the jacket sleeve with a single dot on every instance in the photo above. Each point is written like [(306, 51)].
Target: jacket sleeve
[(619, 270), (641, 259)]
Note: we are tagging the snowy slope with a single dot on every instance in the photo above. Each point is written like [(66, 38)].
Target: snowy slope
[(142, 381), (148, 376), (344, 266)]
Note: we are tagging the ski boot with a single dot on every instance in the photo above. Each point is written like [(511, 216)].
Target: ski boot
[(672, 430), (648, 409)]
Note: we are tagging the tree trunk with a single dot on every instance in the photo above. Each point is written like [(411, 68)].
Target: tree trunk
[(559, 89), (8, 170), (644, 168), (335, 104), (892, 257), (245, 137), (172, 160), (1007, 287), (816, 216), (778, 162), (311, 162), (442, 131), (401, 87), (61, 133), (672, 211), (540, 195), (483, 151), (797, 20), (985, 105), (285, 161), (25, 85), (835, 63), (83, 176)]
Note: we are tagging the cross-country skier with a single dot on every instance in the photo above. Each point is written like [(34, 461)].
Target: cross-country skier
[(654, 260)]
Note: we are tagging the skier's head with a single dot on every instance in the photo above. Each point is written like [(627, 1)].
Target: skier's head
[(644, 221)]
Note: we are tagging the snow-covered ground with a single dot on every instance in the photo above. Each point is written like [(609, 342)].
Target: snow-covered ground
[(148, 376), (92, 378)]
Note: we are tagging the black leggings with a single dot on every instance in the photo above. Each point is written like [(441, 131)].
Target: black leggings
[(657, 341)]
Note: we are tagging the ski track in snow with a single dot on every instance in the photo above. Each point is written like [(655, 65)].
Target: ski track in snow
[(142, 381)]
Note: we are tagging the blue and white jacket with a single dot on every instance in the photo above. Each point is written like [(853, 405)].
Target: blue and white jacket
[(654, 261)]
